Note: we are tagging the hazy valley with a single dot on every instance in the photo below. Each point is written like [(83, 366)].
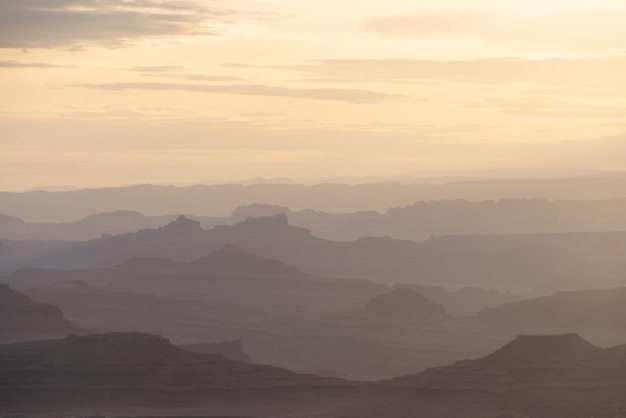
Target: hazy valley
[(255, 288)]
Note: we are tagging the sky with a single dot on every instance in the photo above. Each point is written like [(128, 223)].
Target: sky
[(113, 92)]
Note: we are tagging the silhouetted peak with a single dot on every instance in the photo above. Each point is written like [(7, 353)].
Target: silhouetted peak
[(529, 348), (234, 260), (404, 301), (280, 219), (182, 224)]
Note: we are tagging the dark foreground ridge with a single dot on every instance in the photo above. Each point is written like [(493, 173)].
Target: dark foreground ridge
[(116, 373), (129, 358)]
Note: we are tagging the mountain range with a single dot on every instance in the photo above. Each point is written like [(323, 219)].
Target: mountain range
[(381, 259), (417, 221), (68, 206)]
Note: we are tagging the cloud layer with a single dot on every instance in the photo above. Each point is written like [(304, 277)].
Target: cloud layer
[(344, 95), (15, 64), (109, 23), (602, 72)]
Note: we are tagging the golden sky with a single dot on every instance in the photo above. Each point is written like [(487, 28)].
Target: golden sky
[(111, 92)]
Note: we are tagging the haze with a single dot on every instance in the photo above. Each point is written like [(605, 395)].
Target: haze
[(128, 92)]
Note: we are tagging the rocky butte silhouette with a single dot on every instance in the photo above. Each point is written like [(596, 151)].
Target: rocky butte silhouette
[(383, 259), (423, 219), (417, 221)]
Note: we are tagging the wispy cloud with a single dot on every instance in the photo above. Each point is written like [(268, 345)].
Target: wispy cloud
[(157, 68), (589, 31), (210, 77), (176, 71), (345, 95), (548, 108), (15, 64), (108, 23), (592, 72)]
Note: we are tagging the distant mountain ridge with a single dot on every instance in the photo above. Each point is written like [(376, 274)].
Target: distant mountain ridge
[(339, 198), (425, 219), (418, 221)]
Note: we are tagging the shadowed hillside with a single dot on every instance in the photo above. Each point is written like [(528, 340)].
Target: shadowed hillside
[(22, 319)]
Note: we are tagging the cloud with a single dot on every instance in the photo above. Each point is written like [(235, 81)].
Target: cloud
[(213, 77), (15, 64), (588, 31), (177, 71), (344, 95), (549, 108), (594, 72), (157, 68), (108, 23)]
